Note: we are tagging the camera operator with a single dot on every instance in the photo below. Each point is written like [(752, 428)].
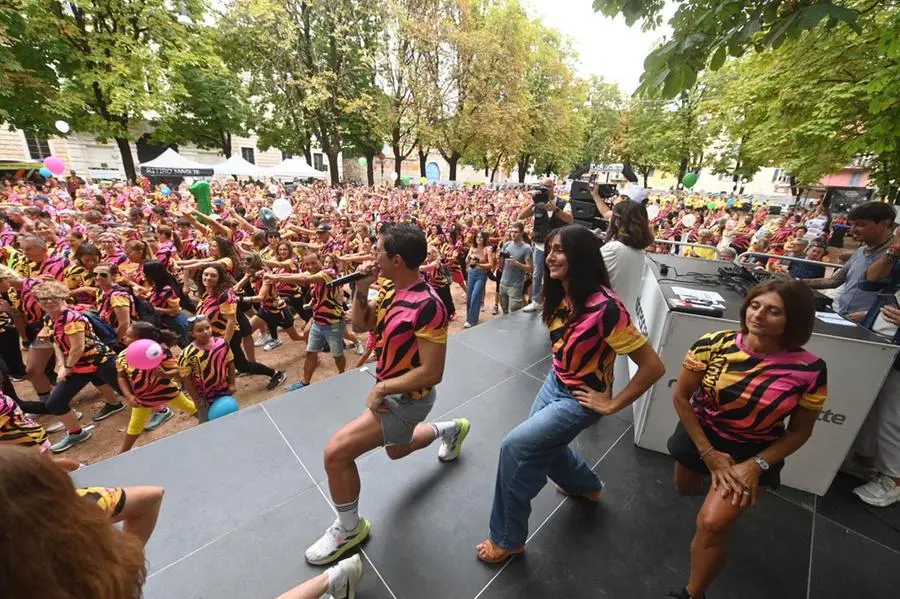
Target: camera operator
[(549, 213)]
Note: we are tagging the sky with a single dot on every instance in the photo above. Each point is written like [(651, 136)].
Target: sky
[(606, 47)]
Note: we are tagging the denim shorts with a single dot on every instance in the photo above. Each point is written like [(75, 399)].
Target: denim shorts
[(333, 334)]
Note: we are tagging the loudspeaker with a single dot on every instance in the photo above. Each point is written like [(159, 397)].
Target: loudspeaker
[(581, 190)]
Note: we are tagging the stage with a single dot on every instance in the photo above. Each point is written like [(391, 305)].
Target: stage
[(245, 495)]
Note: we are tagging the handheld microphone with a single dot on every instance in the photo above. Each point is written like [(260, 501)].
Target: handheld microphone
[(353, 276)]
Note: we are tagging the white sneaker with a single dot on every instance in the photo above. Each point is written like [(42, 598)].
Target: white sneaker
[(452, 445), (531, 307), (274, 343), (336, 542), (55, 428), (347, 575), (880, 492), (262, 340), (360, 347)]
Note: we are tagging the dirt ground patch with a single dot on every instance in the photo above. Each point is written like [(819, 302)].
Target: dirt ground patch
[(108, 434)]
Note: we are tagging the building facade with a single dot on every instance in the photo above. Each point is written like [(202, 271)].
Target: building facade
[(95, 160)]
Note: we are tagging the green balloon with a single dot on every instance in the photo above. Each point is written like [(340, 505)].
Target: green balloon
[(362, 161), (690, 179)]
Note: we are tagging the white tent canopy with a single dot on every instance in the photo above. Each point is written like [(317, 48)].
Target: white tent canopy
[(236, 165), (172, 164), (296, 168)]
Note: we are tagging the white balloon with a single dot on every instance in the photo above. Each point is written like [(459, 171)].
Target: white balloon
[(652, 211), (688, 220), (62, 126), (396, 176), (282, 208)]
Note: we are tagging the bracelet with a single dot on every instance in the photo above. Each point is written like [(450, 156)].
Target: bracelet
[(706, 451)]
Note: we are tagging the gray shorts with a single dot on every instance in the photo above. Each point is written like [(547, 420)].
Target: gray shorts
[(405, 413)]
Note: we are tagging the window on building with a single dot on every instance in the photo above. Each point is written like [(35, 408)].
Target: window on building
[(38, 148), (248, 155), (856, 179), (319, 161), (286, 155), (776, 175)]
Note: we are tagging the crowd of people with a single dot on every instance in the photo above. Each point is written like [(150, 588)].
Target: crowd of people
[(87, 270)]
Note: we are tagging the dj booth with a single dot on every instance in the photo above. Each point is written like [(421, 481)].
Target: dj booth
[(858, 363)]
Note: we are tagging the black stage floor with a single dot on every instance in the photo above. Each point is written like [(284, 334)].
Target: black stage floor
[(245, 497)]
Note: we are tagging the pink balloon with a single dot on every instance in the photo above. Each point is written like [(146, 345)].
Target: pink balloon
[(144, 354), (55, 164)]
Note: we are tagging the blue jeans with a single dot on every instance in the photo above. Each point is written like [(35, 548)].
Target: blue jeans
[(537, 276), (476, 283), (534, 450)]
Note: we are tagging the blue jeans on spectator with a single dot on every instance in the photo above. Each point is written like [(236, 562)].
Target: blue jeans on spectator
[(537, 275), (537, 449), (475, 296)]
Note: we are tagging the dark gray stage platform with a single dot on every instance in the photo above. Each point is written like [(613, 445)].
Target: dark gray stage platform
[(245, 496)]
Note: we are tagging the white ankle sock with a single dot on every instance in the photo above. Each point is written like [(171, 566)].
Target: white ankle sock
[(348, 514), (444, 429)]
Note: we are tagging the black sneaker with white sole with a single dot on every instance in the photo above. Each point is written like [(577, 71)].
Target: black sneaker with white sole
[(108, 410), (277, 379)]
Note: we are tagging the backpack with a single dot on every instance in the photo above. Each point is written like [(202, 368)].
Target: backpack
[(144, 309), (104, 332)]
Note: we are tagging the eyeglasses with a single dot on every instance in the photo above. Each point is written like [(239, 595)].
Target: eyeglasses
[(47, 300), (102, 275)]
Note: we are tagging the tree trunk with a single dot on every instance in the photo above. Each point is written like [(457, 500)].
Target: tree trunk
[(496, 166), (333, 165), (682, 171), (523, 163), (453, 160), (645, 173), (307, 153), (225, 138), (370, 169), (127, 159), (398, 165), (423, 156)]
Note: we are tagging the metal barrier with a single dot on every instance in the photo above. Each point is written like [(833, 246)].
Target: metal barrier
[(685, 244), (790, 258)]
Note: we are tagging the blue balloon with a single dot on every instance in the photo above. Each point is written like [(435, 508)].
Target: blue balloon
[(730, 202), (45, 172), (165, 190), (222, 407)]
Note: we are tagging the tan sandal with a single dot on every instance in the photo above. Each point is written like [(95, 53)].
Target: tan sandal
[(491, 553), (593, 497)]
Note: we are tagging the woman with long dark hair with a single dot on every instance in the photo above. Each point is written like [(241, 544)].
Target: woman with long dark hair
[(169, 299), (480, 261), (219, 304), (588, 326), (734, 393)]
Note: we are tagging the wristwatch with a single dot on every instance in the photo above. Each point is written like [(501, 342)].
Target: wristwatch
[(762, 463)]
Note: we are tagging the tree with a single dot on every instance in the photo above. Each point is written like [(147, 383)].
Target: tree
[(411, 38), (687, 135), (639, 138), (30, 58), (604, 104), (477, 76), (115, 72), (207, 103), (554, 118), (706, 33), (309, 65), (817, 101)]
